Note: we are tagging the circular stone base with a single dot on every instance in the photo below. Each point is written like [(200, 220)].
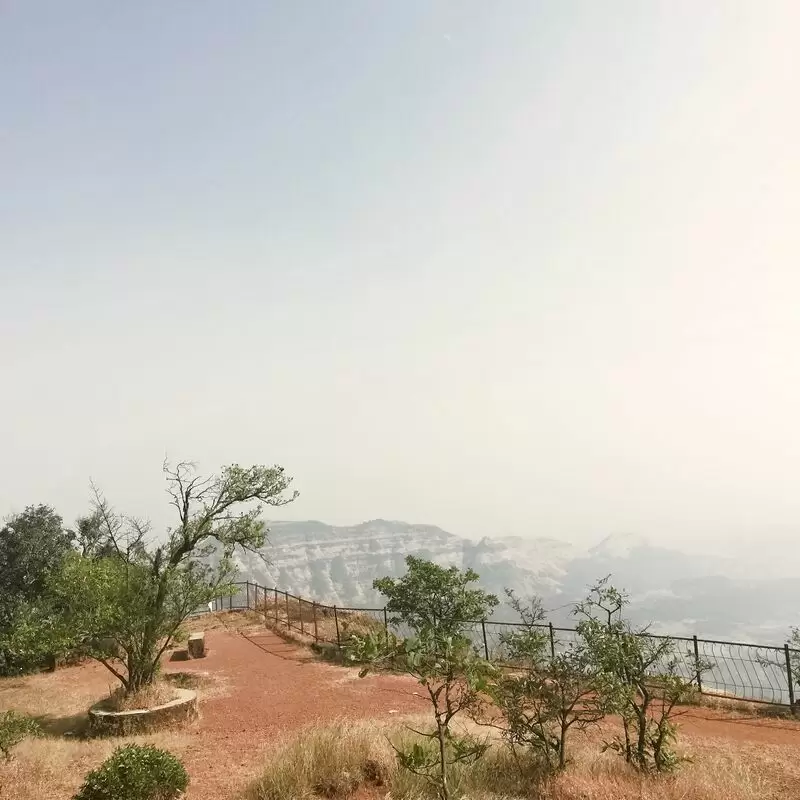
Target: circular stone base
[(182, 709)]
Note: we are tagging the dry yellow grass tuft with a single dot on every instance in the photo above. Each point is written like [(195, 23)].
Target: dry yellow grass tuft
[(355, 759), (330, 761), (157, 694), (716, 774), (226, 620)]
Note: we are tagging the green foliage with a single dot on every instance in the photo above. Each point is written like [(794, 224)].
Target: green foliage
[(436, 604), (14, 728), (124, 599), (372, 648), (550, 694), (38, 635), (641, 679), (33, 545), (120, 613), (455, 679), (136, 772), (430, 596)]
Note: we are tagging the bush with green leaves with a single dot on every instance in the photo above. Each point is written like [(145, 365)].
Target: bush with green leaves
[(136, 772), (642, 680), (436, 603), (14, 728), (548, 695)]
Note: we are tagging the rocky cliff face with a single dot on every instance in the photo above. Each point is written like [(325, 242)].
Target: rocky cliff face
[(338, 564), (678, 592)]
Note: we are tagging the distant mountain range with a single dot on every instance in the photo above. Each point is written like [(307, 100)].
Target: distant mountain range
[(677, 592)]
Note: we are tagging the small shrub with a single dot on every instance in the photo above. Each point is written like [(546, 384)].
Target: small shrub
[(500, 773), (14, 728), (136, 772)]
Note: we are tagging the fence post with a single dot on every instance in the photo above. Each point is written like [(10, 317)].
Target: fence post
[(697, 664), (789, 677), (248, 594), (336, 620), (386, 625), (314, 612), (230, 601), (275, 590), (300, 606), (552, 640), (485, 643), (288, 618)]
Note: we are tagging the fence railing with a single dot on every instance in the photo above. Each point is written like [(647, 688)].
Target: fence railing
[(757, 673)]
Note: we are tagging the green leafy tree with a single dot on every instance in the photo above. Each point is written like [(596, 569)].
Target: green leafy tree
[(125, 598), (548, 694), (432, 597), (436, 604), (33, 546), (642, 680)]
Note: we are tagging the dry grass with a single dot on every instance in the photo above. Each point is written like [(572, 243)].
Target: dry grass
[(356, 760), (721, 702), (716, 774), (157, 694), (330, 761), (58, 699), (225, 620), (54, 768), (304, 620)]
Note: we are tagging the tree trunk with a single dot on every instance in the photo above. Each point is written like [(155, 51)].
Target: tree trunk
[(562, 748), (628, 748), (142, 669), (444, 791)]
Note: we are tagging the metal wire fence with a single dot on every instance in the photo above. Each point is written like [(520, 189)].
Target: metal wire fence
[(756, 673)]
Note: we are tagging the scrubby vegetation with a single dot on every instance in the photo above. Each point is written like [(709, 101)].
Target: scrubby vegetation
[(15, 728), (549, 694), (611, 670), (640, 679), (346, 759), (106, 591), (136, 772), (436, 605)]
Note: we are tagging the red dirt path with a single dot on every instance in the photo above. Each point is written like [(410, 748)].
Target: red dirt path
[(272, 687)]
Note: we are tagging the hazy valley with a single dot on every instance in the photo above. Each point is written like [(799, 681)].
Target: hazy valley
[(679, 593)]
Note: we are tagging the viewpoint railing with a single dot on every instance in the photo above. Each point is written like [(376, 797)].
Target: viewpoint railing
[(757, 673)]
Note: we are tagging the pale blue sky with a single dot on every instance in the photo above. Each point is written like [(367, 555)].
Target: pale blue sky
[(513, 267)]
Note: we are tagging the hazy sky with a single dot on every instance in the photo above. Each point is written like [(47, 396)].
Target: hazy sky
[(510, 268)]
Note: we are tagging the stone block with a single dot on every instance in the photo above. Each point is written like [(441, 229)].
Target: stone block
[(196, 645)]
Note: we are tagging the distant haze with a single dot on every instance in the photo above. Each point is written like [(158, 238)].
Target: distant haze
[(521, 268)]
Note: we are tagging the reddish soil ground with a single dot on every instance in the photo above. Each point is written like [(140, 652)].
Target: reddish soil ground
[(272, 687), (263, 688)]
